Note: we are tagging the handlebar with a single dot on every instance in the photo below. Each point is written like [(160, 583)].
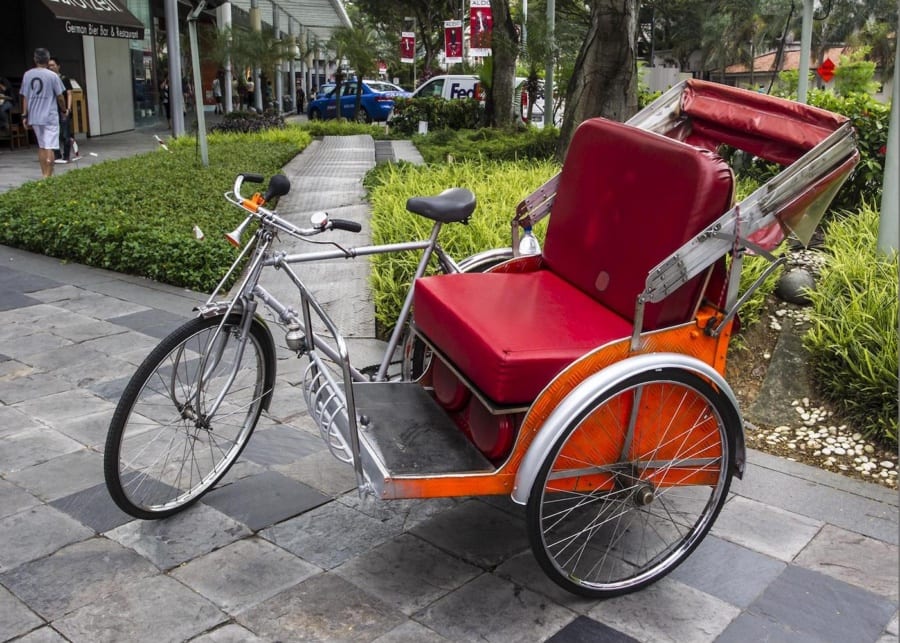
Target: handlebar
[(279, 185)]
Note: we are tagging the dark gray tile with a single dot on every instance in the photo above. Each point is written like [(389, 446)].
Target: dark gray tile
[(817, 605), (16, 280), (11, 300), (753, 627), (93, 507), (153, 322), (587, 630), (281, 445), (735, 574), (265, 499)]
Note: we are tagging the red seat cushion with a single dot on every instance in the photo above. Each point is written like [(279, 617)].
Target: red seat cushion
[(627, 199), (512, 333)]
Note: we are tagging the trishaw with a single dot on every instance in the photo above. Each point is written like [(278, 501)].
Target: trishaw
[(586, 382)]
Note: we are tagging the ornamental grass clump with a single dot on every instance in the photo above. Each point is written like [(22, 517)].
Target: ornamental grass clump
[(853, 338)]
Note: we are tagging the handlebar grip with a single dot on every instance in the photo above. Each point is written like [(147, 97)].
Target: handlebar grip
[(344, 224), (253, 178)]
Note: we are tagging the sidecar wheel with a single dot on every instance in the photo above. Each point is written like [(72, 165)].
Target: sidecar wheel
[(633, 484)]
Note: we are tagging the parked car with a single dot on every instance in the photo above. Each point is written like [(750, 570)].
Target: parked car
[(324, 90), (451, 87), (374, 106), (385, 87)]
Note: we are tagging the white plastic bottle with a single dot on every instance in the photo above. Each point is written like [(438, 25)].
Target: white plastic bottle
[(528, 244)]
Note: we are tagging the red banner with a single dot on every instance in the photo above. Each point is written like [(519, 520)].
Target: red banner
[(481, 24), (453, 41), (408, 47)]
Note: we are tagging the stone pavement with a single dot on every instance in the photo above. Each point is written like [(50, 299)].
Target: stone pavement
[(285, 550)]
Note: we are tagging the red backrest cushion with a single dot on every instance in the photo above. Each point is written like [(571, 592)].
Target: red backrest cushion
[(627, 199)]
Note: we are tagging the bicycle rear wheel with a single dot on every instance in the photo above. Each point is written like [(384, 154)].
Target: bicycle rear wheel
[(183, 419)]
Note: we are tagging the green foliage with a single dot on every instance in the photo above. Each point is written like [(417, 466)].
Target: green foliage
[(487, 143), (498, 186), (439, 113), (344, 127), (853, 338), (245, 122), (136, 215), (855, 74)]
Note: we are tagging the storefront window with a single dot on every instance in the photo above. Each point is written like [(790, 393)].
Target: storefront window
[(146, 105)]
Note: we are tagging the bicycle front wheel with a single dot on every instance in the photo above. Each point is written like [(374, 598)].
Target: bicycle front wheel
[(633, 485), (186, 415)]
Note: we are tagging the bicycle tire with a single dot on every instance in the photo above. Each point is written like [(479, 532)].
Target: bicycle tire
[(163, 452), (633, 484)]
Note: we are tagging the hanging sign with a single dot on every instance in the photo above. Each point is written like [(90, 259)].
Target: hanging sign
[(481, 24), (408, 47), (453, 41), (826, 70)]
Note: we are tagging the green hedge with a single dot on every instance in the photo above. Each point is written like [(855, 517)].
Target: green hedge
[(439, 113), (137, 215), (487, 143), (853, 338)]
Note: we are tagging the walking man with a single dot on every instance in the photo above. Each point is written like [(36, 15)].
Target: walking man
[(42, 100), (65, 116)]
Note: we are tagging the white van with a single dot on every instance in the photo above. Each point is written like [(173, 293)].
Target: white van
[(450, 87)]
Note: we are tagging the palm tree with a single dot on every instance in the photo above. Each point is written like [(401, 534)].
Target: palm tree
[(360, 48)]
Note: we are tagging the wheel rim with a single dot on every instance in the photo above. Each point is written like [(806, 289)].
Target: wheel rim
[(634, 487), (172, 450)]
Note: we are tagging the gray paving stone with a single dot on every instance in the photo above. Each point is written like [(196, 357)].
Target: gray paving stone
[(329, 535), (859, 560), (492, 609), (262, 500), (769, 530), (12, 420), (401, 514), (95, 304), (81, 328), (321, 471), (587, 630), (31, 385), (322, 608), (476, 532), (124, 344), (15, 617), (823, 502), (10, 300), (153, 322), (24, 281), (244, 573), (34, 533), (14, 499), (831, 609), (32, 446), (79, 365), (94, 508), (65, 406), (753, 627), (89, 429), (62, 476), (42, 635), (281, 444), (734, 574), (667, 611), (522, 569), (411, 632), (35, 342), (231, 633), (156, 608), (76, 575), (166, 543), (407, 573)]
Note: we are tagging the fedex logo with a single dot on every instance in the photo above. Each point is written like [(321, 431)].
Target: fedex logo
[(456, 91)]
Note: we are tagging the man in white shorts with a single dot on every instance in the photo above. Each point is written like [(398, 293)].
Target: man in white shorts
[(42, 99)]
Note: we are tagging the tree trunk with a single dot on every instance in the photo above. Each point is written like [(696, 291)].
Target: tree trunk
[(605, 78), (504, 48)]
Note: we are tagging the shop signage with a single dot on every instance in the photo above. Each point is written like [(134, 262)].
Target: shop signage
[(100, 18)]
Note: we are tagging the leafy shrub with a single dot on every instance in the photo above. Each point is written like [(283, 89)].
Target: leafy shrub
[(487, 143), (499, 186), (853, 338), (344, 127), (136, 215), (439, 113), (246, 122)]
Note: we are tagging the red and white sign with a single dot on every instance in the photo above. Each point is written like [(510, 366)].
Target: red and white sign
[(481, 25), (453, 41), (408, 47), (826, 70)]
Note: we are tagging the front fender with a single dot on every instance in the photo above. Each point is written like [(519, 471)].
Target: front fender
[(586, 393)]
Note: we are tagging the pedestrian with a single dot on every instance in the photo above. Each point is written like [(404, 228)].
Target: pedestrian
[(42, 99), (301, 97), (250, 88), (64, 151), (164, 98), (7, 102), (217, 94)]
